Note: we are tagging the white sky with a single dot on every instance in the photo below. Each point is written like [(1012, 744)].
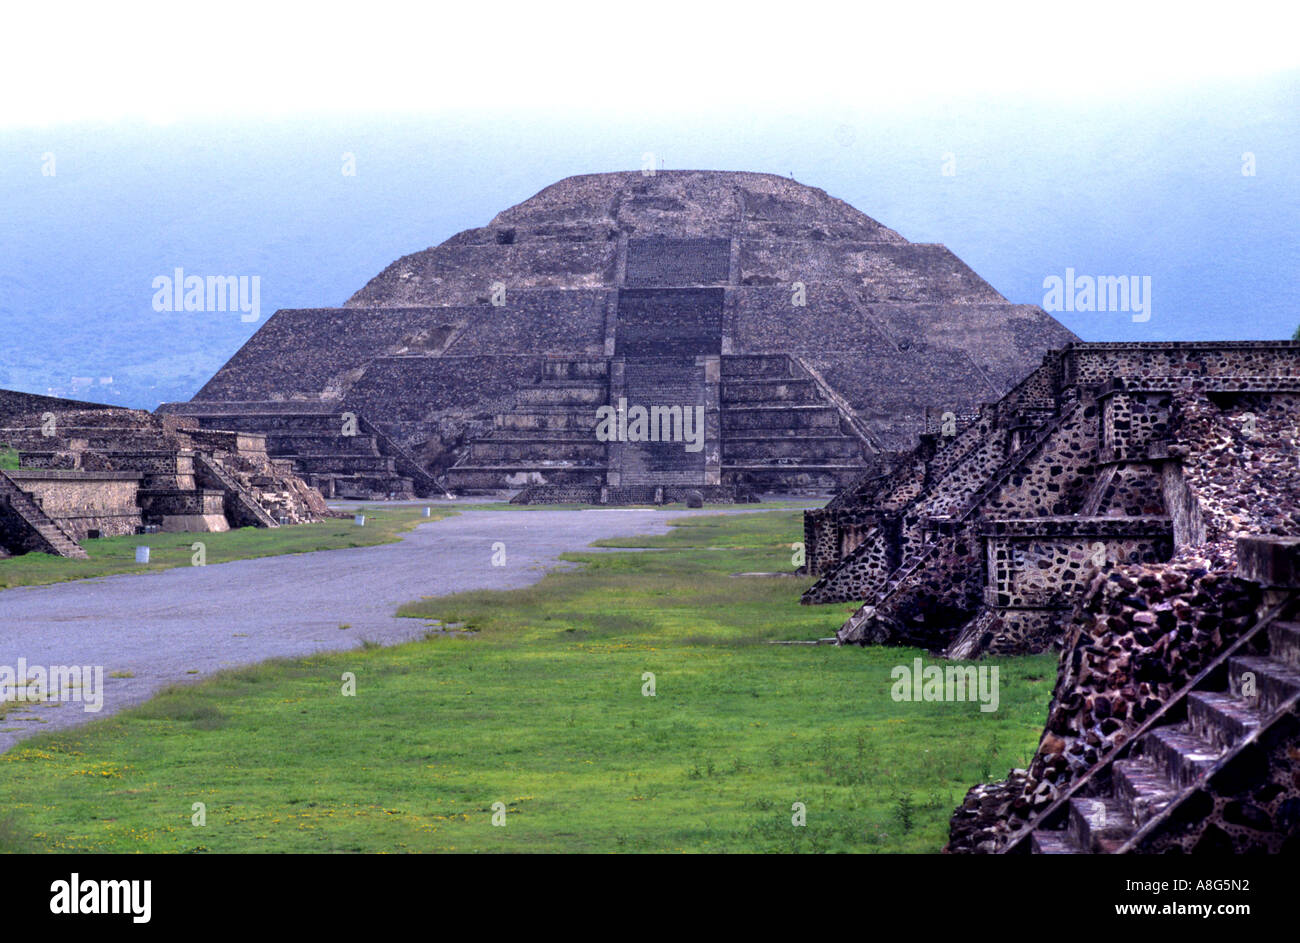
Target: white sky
[(167, 61)]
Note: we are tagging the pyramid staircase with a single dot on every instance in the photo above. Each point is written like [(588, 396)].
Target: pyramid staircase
[(832, 586), (548, 437), (37, 532), (240, 504), (311, 437), (1139, 789), (779, 421), (662, 382)]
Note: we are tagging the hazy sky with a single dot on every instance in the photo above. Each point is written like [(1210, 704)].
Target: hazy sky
[(1104, 139), (166, 61)]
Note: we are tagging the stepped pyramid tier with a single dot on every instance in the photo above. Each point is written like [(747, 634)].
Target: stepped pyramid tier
[(1138, 507), (979, 541), (813, 338), (87, 471)]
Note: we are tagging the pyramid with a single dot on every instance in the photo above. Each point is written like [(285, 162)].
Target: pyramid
[(811, 340)]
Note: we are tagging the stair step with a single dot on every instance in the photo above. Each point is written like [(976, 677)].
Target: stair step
[(1099, 825), (1142, 788), (1275, 681), (1179, 754), (1220, 718), (1284, 637), (1053, 843)]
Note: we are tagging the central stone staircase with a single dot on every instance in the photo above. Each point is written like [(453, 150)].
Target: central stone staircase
[(663, 382)]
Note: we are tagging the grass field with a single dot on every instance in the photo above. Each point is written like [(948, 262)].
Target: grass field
[(8, 456), (544, 711), (112, 555)]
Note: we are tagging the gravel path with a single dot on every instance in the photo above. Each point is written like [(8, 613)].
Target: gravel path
[(185, 623)]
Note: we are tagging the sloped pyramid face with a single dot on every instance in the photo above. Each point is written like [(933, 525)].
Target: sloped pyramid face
[(812, 336)]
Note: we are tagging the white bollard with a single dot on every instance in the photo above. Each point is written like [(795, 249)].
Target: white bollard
[(359, 520), (141, 554), (428, 512)]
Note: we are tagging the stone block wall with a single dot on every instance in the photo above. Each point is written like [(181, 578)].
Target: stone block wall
[(87, 503), (1097, 363), (1131, 422), (1139, 445), (1042, 563)]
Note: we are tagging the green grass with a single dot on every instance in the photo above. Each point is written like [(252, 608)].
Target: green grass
[(112, 555), (8, 457), (542, 710)]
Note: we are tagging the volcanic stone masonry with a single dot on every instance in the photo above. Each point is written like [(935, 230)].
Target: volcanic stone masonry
[(1137, 506), (813, 337), (87, 470)]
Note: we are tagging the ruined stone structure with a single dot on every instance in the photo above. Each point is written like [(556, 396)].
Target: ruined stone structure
[(89, 503), (1174, 726), (980, 541), (1135, 505), (811, 337), (88, 471)]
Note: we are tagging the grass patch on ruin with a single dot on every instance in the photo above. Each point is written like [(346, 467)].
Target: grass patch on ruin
[(113, 555), (542, 711), (8, 457)]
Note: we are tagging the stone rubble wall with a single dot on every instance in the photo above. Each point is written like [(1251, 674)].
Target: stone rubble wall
[(1140, 632)]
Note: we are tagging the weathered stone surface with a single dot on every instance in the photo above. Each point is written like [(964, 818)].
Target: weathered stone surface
[(815, 337), (1224, 449), (100, 471), (1273, 561)]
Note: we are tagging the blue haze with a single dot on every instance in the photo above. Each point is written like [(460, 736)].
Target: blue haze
[(1149, 185)]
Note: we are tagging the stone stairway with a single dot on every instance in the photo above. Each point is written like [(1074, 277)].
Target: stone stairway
[(547, 438), (894, 583), (38, 532), (834, 585), (405, 464), (1097, 492), (959, 473), (779, 424), (1170, 762), (241, 507), (845, 579), (662, 382)]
